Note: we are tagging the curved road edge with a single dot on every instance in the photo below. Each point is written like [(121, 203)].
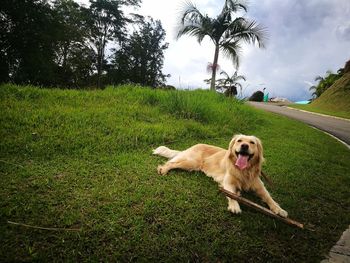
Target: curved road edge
[(337, 127), (316, 113)]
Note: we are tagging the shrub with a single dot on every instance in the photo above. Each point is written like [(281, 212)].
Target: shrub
[(257, 96)]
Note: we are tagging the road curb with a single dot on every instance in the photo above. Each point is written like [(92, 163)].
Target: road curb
[(340, 252), (320, 114)]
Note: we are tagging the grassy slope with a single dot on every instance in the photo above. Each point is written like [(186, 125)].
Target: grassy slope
[(334, 101), (82, 159)]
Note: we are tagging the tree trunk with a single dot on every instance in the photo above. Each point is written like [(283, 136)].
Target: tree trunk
[(100, 65), (215, 65), (101, 56)]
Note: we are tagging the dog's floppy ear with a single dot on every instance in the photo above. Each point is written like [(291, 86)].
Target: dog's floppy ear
[(261, 158), (232, 142)]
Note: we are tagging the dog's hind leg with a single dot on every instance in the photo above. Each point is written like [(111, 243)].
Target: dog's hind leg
[(165, 152), (184, 164)]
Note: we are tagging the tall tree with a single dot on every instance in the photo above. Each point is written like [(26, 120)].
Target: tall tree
[(107, 23), (325, 82), (140, 58), (74, 57), (28, 40), (226, 31)]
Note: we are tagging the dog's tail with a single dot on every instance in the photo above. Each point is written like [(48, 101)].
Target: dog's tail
[(165, 152)]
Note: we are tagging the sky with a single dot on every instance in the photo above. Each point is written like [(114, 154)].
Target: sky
[(305, 39)]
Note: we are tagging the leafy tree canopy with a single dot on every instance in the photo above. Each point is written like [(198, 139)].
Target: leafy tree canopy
[(325, 82), (140, 58), (60, 43)]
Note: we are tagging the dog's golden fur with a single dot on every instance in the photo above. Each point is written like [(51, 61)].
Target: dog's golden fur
[(220, 164)]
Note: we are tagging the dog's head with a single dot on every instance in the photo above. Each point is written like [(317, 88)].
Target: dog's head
[(246, 151)]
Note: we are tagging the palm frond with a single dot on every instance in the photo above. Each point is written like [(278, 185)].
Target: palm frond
[(319, 78), (232, 51), (189, 11), (193, 23), (236, 5), (312, 88), (192, 30), (224, 19), (207, 81), (225, 74), (221, 80), (237, 84), (248, 31), (237, 77), (231, 7)]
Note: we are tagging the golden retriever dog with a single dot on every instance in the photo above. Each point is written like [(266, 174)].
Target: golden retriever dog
[(235, 169)]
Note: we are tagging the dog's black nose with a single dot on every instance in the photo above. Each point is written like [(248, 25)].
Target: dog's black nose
[(244, 147)]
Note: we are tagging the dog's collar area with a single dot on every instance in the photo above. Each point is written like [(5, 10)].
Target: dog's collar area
[(250, 156)]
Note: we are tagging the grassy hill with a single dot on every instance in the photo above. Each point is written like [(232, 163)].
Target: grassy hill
[(82, 160), (334, 101)]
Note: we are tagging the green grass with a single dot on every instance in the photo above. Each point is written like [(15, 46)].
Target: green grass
[(334, 101), (82, 159)]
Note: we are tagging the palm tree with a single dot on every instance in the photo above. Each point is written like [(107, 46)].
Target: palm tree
[(226, 30), (324, 83), (230, 83), (313, 88)]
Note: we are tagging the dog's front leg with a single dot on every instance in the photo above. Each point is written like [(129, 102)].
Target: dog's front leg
[(233, 205), (259, 188)]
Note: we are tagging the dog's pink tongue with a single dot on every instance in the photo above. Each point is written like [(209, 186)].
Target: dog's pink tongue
[(242, 162)]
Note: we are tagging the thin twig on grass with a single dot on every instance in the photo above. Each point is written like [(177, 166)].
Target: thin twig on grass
[(15, 164), (44, 228), (260, 208)]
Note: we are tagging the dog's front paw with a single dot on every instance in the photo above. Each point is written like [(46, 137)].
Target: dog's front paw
[(234, 208), (162, 170), (283, 213), (279, 211)]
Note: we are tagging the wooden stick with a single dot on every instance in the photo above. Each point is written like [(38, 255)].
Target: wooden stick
[(267, 179), (44, 228), (260, 208)]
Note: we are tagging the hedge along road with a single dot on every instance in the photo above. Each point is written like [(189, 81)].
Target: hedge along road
[(339, 128)]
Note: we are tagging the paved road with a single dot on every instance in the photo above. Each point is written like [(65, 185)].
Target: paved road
[(337, 127)]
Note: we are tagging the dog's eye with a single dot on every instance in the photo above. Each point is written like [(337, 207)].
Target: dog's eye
[(251, 142), (239, 140)]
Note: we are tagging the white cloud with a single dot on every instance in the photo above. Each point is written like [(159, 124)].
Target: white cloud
[(343, 31), (306, 38)]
